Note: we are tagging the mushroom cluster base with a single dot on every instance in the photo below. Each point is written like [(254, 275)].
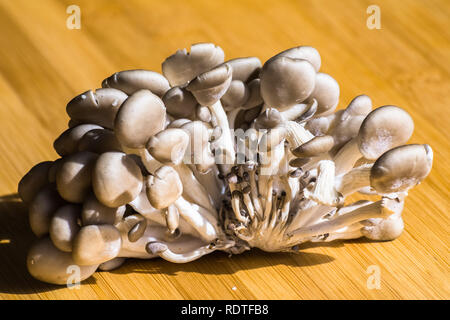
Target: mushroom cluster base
[(217, 155)]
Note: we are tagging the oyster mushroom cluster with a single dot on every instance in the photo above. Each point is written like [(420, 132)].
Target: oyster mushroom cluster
[(217, 155)]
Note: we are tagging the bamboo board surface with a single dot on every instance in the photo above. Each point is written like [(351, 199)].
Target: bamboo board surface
[(406, 63)]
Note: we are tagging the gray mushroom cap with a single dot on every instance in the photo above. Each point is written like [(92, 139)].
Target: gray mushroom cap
[(401, 168), (67, 142), (236, 95), (326, 92), (46, 263), (117, 179), (96, 107), (64, 226), (130, 81), (210, 86), (307, 53), (73, 178), (99, 141), (141, 116), (244, 69), (182, 67), (169, 145), (384, 128), (94, 212), (286, 81), (34, 181), (179, 102), (164, 188), (268, 119)]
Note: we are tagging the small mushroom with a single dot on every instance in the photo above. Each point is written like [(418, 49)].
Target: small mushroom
[(179, 102), (34, 180), (99, 141), (96, 107), (112, 264), (42, 208), (130, 81), (182, 67), (67, 142), (307, 53), (46, 263), (95, 244), (164, 187), (64, 227), (117, 179), (198, 150), (169, 145), (326, 92), (141, 116), (314, 147), (73, 179), (384, 128), (94, 212), (286, 81)]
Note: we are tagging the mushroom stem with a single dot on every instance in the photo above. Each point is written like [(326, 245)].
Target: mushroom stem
[(377, 209), (324, 191), (206, 230), (354, 180), (224, 146), (347, 156)]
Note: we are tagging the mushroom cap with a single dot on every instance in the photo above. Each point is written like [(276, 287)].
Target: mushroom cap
[(95, 244), (34, 180), (244, 69), (268, 119), (164, 188), (360, 106), (254, 94), (384, 128), (130, 81), (307, 53), (73, 178), (99, 141), (46, 263), (179, 102), (182, 67), (67, 142), (64, 226), (99, 107), (236, 95), (286, 81), (178, 123), (314, 147), (326, 92), (116, 179), (211, 85), (141, 116), (94, 212), (401, 168), (169, 145), (42, 208)]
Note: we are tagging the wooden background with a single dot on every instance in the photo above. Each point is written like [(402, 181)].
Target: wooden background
[(43, 65)]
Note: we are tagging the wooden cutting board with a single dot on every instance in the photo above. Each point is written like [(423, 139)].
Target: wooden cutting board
[(43, 64)]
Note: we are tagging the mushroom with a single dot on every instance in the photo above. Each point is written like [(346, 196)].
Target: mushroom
[(116, 179), (46, 263), (326, 92), (131, 81), (94, 212), (67, 142), (307, 53), (286, 81), (182, 67), (99, 141), (208, 88), (95, 244), (64, 226), (141, 116), (179, 102), (42, 208), (34, 180), (384, 128), (73, 178), (169, 145), (314, 147), (96, 107)]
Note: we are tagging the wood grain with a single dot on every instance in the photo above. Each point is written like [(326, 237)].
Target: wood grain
[(406, 63)]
